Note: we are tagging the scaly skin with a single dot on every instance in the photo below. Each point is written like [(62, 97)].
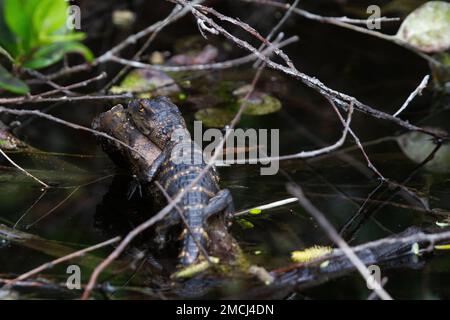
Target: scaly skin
[(161, 121)]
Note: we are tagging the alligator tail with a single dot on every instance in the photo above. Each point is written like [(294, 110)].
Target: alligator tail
[(197, 235)]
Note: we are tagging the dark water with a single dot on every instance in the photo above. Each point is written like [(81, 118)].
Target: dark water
[(380, 74)]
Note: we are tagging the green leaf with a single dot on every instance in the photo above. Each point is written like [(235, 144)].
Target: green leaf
[(245, 224), (7, 39), (69, 37), (255, 211), (12, 84), (256, 103), (49, 17), (428, 27), (53, 53), (418, 146), (18, 18)]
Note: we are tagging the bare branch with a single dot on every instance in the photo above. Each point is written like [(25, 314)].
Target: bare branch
[(413, 94), (342, 100), (23, 170), (40, 97), (201, 67), (347, 23), (51, 264), (132, 39), (66, 123), (296, 191)]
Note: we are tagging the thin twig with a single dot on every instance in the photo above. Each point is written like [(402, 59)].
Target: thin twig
[(132, 39), (125, 96), (277, 27), (358, 143), (53, 209), (373, 294), (271, 205), (170, 18), (30, 208), (51, 264), (23, 170), (41, 77), (310, 153), (347, 23), (296, 191), (66, 123), (202, 67), (423, 84), (342, 100), (40, 97)]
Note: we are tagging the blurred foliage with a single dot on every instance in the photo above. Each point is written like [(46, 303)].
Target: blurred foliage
[(417, 146), (35, 34)]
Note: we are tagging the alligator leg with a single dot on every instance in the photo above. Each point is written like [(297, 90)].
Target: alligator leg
[(150, 174), (222, 201)]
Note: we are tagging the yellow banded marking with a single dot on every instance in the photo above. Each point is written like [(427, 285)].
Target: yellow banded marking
[(199, 189), (195, 153), (176, 176), (196, 231), (204, 190), (166, 170), (192, 169), (194, 206)]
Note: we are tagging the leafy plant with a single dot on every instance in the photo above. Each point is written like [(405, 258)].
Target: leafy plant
[(34, 34), (417, 146), (428, 27)]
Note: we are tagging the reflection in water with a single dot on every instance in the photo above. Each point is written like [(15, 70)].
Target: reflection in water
[(378, 73)]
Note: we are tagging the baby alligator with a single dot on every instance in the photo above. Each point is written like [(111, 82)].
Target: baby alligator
[(178, 165)]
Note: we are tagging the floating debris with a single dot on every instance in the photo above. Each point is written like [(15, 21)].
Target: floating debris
[(255, 211), (257, 103), (245, 224), (262, 274), (195, 269), (214, 117), (442, 247), (310, 254), (147, 83), (123, 18), (415, 249), (205, 56), (157, 57)]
